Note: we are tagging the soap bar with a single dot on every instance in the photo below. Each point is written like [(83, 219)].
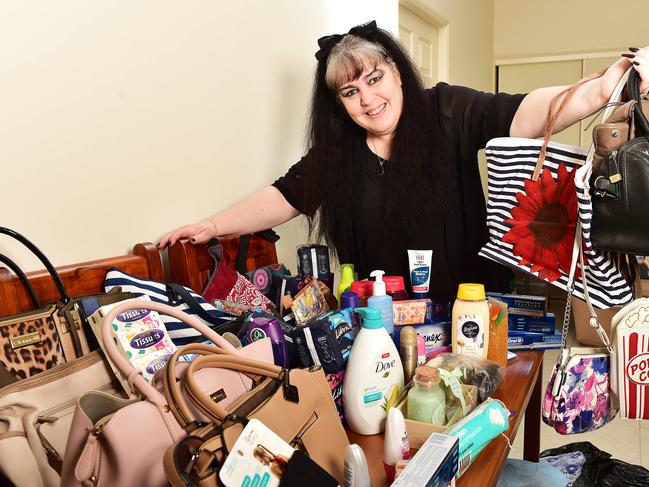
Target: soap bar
[(412, 311)]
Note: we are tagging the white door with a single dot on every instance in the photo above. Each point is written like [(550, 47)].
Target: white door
[(421, 38)]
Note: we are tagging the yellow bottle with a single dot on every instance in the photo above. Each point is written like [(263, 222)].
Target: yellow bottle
[(346, 279), (470, 321)]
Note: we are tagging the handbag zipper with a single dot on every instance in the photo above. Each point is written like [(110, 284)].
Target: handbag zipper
[(297, 442)]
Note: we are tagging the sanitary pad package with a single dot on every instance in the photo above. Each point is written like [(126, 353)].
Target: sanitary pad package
[(327, 340)]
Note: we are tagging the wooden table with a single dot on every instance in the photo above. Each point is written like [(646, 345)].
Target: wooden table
[(522, 394)]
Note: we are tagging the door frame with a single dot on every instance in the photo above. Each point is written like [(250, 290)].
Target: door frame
[(429, 14)]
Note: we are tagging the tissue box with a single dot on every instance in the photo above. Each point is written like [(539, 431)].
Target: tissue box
[(412, 311), (436, 335)]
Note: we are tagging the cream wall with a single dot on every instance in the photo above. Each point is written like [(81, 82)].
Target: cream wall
[(525, 28), (121, 120)]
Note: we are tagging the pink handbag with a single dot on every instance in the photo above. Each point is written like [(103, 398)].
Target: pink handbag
[(115, 441)]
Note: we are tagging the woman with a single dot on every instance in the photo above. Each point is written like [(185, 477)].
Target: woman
[(392, 166)]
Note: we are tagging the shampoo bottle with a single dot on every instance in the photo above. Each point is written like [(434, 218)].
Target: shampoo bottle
[(381, 301), (373, 377), (346, 279)]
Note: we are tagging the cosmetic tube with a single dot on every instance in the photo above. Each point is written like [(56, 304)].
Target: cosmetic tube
[(419, 266), (356, 472), (396, 445)]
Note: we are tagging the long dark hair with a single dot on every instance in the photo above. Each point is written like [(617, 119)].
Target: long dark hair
[(333, 165)]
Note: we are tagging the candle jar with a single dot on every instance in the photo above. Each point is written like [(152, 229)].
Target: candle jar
[(426, 399)]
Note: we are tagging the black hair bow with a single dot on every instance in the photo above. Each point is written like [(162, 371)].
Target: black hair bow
[(327, 43)]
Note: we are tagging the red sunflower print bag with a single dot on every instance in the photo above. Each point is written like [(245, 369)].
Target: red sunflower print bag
[(532, 214)]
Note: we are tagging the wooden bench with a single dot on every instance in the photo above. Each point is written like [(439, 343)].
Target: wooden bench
[(191, 265), (79, 279)]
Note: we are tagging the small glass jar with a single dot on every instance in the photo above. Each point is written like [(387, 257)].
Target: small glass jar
[(426, 399)]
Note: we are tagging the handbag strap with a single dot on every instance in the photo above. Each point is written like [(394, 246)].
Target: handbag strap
[(171, 387), (241, 364), (23, 279), (46, 262), (578, 259), (633, 90), (124, 367), (178, 293), (553, 115)]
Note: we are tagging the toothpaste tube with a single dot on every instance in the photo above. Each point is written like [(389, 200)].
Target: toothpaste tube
[(419, 261)]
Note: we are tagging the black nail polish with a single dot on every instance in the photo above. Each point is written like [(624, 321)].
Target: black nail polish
[(629, 56), (634, 49), (636, 63)]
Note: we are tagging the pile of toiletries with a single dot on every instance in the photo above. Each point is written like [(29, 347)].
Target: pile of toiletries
[(396, 360)]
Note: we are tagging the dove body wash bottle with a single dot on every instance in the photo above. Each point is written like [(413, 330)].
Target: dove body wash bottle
[(470, 321), (373, 377)]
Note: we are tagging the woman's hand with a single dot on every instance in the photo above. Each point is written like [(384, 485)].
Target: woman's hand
[(636, 58), (196, 233)]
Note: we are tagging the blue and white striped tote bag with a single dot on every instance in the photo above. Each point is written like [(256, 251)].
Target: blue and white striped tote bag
[(532, 214), (176, 296)]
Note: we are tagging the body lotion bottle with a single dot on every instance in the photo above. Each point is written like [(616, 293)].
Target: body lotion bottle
[(373, 377)]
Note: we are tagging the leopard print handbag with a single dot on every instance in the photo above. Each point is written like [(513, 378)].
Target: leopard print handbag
[(39, 340)]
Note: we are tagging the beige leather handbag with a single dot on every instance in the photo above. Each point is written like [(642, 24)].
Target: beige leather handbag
[(35, 417), (121, 442), (295, 404)]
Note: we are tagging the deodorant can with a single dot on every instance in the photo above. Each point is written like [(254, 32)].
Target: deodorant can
[(261, 328)]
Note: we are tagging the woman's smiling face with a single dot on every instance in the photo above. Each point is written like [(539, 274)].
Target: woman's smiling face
[(375, 99)]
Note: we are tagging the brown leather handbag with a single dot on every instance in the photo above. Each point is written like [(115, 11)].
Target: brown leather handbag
[(295, 404)]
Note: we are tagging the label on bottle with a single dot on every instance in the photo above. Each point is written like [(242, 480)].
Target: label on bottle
[(470, 334), (439, 414)]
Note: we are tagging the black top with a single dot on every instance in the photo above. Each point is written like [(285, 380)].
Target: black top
[(463, 121)]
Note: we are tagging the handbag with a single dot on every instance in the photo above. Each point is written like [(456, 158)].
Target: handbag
[(296, 404), (179, 297), (578, 396), (41, 339), (36, 415), (228, 284), (533, 210), (115, 441), (620, 182)]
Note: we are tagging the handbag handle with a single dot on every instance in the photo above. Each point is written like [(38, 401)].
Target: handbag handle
[(23, 278), (633, 89), (237, 363), (553, 115), (124, 367), (46, 262), (177, 292), (171, 387)]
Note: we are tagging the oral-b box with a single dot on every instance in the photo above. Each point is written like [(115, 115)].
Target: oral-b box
[(523, 305)]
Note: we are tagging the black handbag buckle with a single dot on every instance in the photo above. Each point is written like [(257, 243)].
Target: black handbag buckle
[(290, 391)]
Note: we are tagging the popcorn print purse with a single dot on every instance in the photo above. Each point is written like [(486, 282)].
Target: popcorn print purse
[(578, 395)]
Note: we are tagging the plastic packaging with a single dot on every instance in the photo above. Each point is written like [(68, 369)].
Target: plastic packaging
[(421, 350), (408, 352), (476, 430), (470, 321), (498, 332), (396, 446), (426, 399), (420, 261), (364, 290), (356, 471), (395, 287), (481, 373), (381, 301), (267, 327), (346, 279), (373, 377)]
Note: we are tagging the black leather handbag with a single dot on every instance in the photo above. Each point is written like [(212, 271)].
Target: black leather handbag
[(620, 183)]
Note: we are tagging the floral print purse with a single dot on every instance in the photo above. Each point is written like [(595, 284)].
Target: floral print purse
[(578, 396)]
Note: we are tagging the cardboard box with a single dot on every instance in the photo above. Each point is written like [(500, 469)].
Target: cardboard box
[(533, 324), (419, 432), (520, 340), (522, 304), (412, 311), (435, 464)]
